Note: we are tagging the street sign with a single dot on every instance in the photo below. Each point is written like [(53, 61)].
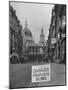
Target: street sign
[(41, 73), (53, 40)]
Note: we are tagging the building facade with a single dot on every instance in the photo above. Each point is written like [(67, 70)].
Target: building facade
[(37, 52), (57, 34), (16, 37)]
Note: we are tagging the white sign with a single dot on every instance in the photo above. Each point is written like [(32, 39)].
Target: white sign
[(40, 73), (53, 40), (63, 35)]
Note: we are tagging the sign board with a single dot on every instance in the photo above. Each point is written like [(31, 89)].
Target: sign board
[(53, 40), (41, 73), (63, 35)]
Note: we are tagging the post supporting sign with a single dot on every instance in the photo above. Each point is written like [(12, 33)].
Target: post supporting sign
[(41, 73)]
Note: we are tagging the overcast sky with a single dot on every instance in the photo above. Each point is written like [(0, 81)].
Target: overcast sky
[(38, 16)]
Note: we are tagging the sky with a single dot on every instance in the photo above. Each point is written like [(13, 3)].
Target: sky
[(37, 15)]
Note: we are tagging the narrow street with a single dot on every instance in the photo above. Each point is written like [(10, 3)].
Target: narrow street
[(37, 40)]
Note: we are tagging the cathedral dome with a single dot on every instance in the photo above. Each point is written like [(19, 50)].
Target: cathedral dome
[(27, 35), (27, 32)]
